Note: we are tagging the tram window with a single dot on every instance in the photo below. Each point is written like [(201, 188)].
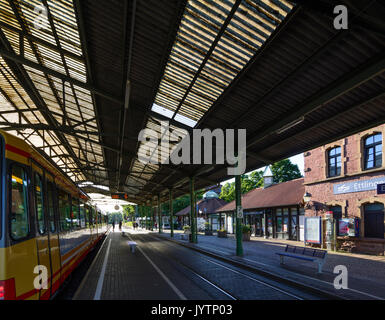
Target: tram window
[(86, 216), (64, 211), (39, 204), (75, 213), (50, 208), (82, 215), (92, 217), (19, 210)]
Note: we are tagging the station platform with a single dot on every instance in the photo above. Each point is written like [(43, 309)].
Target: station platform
[(118, 273), (366, 276), (163, 270)]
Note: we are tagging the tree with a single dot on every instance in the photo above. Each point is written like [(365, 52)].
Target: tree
[(249, 182), (115, 216), (227, 192), (285, 170), (128, 211)]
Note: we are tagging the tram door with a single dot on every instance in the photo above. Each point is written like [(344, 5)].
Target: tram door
[(42, 237), (51, 215)]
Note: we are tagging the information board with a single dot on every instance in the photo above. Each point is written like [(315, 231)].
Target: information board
[(313, 229), (348, 227)]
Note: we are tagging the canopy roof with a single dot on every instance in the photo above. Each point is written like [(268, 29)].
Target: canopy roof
[(204, 206), (288, 193), (82, 83)]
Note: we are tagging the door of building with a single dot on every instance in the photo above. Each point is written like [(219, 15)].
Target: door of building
[(294, 225), (374, 220)]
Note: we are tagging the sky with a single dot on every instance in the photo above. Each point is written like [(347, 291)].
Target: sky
[(297, 159)]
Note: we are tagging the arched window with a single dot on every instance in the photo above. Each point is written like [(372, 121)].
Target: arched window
[(373, 151), (334, 162)]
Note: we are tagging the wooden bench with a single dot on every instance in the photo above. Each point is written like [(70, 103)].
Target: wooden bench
[(132, 245), (306, 254)]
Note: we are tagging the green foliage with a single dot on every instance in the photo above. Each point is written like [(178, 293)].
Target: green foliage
[(181, 202), (248, 182), (128, 211), (246, 228), (282, 171), (115, 216)]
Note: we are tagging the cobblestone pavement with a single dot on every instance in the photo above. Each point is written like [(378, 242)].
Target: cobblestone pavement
[(163, 270), (366, 273)]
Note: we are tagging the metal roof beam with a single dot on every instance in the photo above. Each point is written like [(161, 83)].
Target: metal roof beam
[(43, 42), (337, 88), (21, 60)]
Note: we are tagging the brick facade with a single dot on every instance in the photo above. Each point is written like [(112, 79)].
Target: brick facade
[(320, 185)]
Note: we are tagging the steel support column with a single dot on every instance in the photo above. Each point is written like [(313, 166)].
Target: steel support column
[(238, 208), (192, 212), (171, 215), (147, 217), (159, 215), (152, 215)]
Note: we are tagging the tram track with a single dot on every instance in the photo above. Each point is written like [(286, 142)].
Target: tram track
[(215, 284)]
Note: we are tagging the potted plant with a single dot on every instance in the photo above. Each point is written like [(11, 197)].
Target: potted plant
[(246, 232), (208, 231), (222, 233)]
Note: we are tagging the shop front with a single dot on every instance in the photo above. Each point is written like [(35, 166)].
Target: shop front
[(273, 212)]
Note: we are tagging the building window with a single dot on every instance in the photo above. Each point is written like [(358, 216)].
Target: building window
[(334, 158), (373, 151)]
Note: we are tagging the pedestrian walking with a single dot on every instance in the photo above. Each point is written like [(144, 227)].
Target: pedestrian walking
[(113, 225), (120, 225)]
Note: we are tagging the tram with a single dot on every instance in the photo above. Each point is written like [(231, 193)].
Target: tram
[(47, 224)]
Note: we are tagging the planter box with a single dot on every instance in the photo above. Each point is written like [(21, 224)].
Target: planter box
[(208, 233), (246, 236), (222, 234)]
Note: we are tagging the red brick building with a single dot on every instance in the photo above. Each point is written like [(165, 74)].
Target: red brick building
[(342, 177)]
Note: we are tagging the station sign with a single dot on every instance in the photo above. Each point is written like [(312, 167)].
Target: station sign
[(381, 188), (358, 186), (120, 196), (239, 212)]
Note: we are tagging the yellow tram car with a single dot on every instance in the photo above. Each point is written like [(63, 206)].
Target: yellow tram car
[(47, 225)]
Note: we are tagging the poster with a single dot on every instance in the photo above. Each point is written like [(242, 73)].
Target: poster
[(313, 229), (346, 227)]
